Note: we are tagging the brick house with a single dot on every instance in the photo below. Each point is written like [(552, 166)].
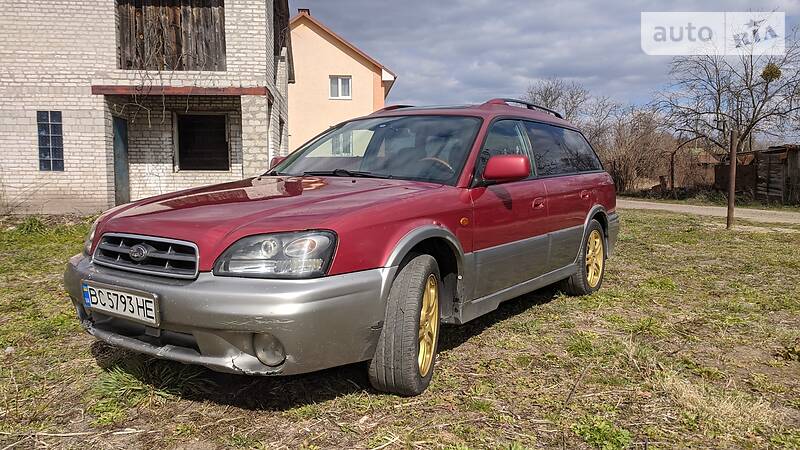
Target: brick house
[(106, 102)]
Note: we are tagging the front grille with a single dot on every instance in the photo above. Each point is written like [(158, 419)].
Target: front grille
[(163, 257)]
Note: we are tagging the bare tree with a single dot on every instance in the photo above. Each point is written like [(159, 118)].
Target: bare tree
[(724, 100), (566, 97), (596, 121), (635, 146), (681, 143)]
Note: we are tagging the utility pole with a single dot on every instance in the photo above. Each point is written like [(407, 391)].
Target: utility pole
[(732, 180)]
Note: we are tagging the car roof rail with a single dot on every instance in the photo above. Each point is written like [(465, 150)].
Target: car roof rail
[(393, 107), (529, 105)]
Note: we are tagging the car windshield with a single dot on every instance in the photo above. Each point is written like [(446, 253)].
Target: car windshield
[(424, 148)]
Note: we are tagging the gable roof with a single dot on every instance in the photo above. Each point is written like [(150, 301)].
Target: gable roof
[(386, 74)]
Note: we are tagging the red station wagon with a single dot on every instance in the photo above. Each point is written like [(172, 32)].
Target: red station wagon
[(356, 247)]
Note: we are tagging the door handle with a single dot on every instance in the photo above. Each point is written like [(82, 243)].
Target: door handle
[(586, 194), (538, 203)]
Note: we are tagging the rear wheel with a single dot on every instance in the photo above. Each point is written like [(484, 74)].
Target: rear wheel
[(406, 351), (591, 263)]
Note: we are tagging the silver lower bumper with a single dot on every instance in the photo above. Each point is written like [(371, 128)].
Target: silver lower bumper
[(210, 321)]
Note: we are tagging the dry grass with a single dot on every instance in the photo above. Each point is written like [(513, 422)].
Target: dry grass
[(726, 411), (693, 342)]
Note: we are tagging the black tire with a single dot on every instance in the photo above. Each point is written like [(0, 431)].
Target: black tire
[(579, 283), (395, 368)]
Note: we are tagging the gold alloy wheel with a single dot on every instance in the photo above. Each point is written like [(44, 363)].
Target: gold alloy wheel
[(428, 325), (594, 258)]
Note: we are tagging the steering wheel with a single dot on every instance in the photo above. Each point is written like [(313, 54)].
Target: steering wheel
[(440, 162)]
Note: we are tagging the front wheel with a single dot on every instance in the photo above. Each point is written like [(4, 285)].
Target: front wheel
[(406, 351), (591, 263)]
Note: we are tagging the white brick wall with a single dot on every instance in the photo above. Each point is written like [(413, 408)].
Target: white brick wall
[(151, 143), (53, 51)]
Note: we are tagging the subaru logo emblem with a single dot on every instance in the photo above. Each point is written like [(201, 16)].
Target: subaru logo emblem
[(138, 253)]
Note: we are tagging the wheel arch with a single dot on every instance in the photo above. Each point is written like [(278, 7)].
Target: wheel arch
[(599, 213), (442, 244)]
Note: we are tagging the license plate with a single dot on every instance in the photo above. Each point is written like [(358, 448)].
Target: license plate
[(127, 304)]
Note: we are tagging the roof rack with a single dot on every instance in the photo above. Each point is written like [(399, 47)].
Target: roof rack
[(393, 107), (506, 101)]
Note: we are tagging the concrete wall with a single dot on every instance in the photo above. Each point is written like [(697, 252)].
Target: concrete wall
[(317, 56), (53, 51)]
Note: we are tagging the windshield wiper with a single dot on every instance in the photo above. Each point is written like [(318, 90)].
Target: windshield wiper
[(347, 173)]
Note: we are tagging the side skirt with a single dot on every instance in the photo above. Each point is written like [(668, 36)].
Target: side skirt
[(480, 306)]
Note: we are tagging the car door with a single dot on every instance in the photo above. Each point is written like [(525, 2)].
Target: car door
[(569, 198), (510, 238)]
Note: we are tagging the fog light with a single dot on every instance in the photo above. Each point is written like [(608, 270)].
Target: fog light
[(269, 349)]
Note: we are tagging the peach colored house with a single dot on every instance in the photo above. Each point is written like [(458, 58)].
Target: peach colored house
[(334, 80)]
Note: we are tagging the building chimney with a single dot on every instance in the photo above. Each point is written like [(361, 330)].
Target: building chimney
[(305, 11)]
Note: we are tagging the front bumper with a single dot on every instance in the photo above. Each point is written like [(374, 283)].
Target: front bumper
[(210, 321)]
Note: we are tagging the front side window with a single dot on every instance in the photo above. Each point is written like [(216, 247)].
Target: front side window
[(424, 148), (51, 141), (505, 137), (203, 142), (550, 156), (341, 86)]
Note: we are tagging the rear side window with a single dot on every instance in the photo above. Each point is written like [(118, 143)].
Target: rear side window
[(580, 152), (559, 151), (550, 157)]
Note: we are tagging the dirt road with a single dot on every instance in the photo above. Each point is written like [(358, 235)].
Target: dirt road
[(759, 215)]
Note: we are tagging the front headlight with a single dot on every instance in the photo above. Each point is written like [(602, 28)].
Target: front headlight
[(305, 254), (87, 242)]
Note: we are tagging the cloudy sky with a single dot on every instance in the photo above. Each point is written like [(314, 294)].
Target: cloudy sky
[(455, 51)]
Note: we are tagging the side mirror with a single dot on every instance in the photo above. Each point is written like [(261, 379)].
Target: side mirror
[(275, 161), (502, 168)]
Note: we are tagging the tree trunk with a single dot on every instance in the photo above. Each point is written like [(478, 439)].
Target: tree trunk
[(672, 174), (732, 181)]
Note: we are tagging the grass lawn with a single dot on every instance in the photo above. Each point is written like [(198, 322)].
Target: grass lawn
[(694, 341)]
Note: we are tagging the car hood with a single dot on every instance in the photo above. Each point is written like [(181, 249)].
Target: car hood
[(215, 216)]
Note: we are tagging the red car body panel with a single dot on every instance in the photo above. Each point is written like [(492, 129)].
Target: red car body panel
[(360, 211), (499, 219)]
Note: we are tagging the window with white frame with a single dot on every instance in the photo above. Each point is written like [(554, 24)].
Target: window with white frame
[(341, 86)]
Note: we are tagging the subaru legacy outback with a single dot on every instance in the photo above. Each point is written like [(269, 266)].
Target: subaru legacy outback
[(356, 247)]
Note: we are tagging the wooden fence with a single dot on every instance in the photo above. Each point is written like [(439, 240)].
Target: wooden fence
[(772, 176)]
